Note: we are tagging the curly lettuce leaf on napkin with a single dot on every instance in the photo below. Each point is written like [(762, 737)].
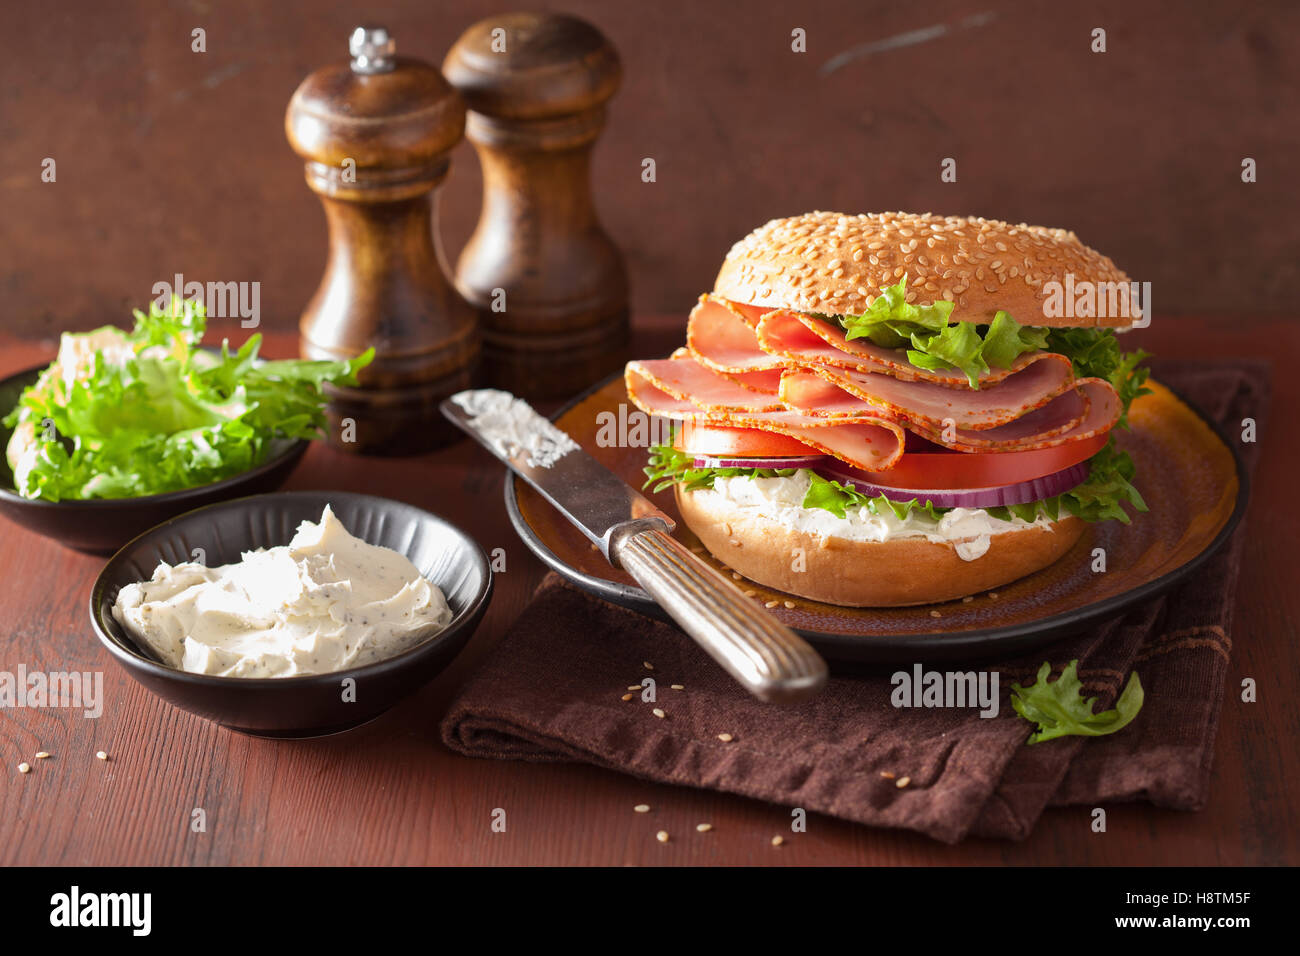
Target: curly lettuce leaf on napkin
[(1059, 710)]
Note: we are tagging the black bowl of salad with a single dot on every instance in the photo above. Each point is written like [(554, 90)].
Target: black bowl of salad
[(127, 429)]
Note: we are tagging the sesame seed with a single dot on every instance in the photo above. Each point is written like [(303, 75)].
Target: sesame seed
[(642, 808), (647, 665), (677, 686), (41, 755), (627, 696), (778, 840), (24, 767), (703, 827), (633, 686), (935, 614), (750, 593), (658, 712), (887, 774), (903, 782), (735, 575), (993, 595), (726, 738), (770, 604), (789, 604), (967, 599), (662, 836), (100, 755)]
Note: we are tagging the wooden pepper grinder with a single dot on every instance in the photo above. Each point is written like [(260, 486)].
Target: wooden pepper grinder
[(549, 285), (375, 133)]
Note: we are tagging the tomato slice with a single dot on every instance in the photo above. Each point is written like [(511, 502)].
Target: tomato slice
[(720, 441), (923, 466), (948, 470)]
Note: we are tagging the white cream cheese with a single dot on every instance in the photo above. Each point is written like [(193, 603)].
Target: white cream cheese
[(324, 602), (781, 500)]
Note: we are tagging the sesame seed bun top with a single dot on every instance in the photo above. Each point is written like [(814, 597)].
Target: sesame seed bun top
[(836, 264)]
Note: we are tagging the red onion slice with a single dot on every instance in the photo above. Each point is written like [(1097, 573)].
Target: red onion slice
[(801, 461), (1020, 493)]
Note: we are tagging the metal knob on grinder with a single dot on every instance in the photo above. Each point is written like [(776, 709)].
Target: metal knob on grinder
[(375, 133)]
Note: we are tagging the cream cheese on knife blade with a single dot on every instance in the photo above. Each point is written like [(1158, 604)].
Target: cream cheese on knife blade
[(512, 426), (325, 602)]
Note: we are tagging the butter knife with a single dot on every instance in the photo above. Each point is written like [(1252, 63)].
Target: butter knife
[(762, 654)]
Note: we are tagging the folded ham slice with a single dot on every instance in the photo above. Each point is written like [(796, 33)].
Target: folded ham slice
[(682, 389), (1088, 407), (1054, 424), (934, 406), (767, 381), (720, 334)]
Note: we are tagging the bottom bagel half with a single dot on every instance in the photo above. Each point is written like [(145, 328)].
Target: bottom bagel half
[(853, 573)]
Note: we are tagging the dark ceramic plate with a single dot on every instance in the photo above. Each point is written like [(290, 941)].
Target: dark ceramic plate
[(1189, 476), (298, 706), (102, 526)]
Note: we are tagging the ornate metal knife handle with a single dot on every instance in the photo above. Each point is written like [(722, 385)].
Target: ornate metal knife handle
[(770, 660)]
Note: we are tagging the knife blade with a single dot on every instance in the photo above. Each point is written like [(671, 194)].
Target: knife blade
[(760, 652)]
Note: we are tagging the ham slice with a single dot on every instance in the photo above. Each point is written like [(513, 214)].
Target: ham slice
[(720, 335), (687, 380), (933, 406), (767, 381), (1054, 424), (684, 390)]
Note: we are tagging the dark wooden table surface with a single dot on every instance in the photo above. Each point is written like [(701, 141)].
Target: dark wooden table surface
[(390, 793)]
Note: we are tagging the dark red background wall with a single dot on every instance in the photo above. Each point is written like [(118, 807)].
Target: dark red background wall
[(172, 161)]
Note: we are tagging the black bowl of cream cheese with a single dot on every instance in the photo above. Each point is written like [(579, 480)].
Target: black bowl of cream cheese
[(314, 704)]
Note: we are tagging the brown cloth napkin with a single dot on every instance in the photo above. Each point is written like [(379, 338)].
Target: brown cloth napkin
[(550, 691)]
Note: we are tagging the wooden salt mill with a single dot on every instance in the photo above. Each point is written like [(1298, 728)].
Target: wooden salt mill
[(548, 283), (375, 133)]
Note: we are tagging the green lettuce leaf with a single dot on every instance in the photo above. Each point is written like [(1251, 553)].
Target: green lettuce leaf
[(1059, 710), (1095, 353), (935, 342), (1107, 488), (836, 498), (1006, 340), (172, 416), (891, 322)]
